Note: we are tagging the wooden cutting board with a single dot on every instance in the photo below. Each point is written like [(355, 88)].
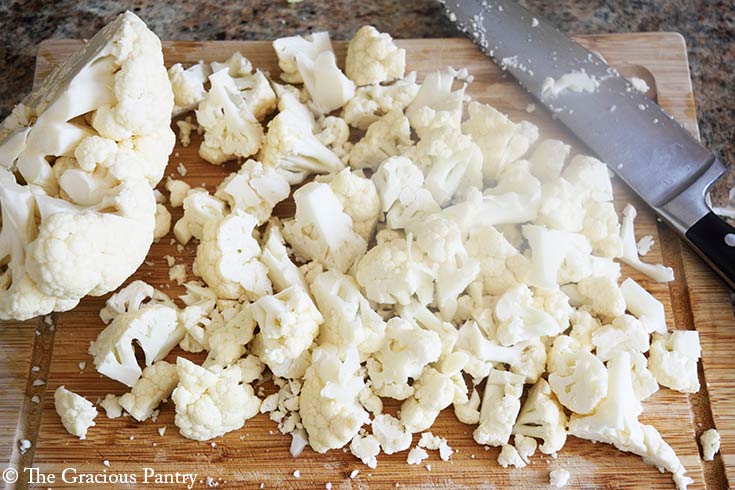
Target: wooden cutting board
[(258, 453)]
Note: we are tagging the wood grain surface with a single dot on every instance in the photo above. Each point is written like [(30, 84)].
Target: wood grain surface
[(258, 453)]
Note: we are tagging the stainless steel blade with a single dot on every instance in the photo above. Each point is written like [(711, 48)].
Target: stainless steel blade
[(651, 152)]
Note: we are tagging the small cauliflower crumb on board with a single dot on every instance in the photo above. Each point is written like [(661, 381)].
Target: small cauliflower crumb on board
[(258, 452)]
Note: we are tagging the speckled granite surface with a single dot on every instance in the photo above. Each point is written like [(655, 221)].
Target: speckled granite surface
[(708, 26)]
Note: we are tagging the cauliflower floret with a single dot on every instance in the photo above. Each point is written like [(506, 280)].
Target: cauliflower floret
[(391, 434), (330, 410), (77, 413), (188, 86), (602, 295), (230, 128), (428, 320), (644, 306), (282, 272), (155, 385), (710, 441), (519, 319), (557, 257), (644, 383), (615, 422), (625, 333), (435, 104), (388, 136), (154, 326), (178, 189), (501, 140), (254, 87), (359, 200), (111, 404), (501, 265), (561, 206), (255, 189), (228, 258), (163, 222), (500, 405), (374, 101), (211, 402), (468, 412), (673, 360), (591, 177), (602, 229), (292, 148), (373, 57), (289, 322), (547, 160), (543, 417), (578, 378), (657, 272), (230, 330), (451, 162), (349, 321), (399, 184), (509, 457), (366, 448), (434, 391), (334, 133), (321, 230), (200, 208), (407, 350), (393, 272)]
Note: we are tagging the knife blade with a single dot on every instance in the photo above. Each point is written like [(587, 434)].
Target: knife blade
[(650, 151)]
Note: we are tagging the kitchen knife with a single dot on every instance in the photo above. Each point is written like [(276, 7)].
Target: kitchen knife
[(644, 146)]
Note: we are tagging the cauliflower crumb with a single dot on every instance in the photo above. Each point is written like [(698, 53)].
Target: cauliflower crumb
[(185, 129), (644, 245), (181, 169), (354, 473), (24, 445), (559, 478), (710, 441), (177, 273), (162, 430), (416, 455)]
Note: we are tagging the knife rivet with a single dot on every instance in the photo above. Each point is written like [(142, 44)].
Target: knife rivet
[(730, 240)]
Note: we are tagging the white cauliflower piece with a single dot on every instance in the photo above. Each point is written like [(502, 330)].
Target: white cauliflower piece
[(416, 455), (559, 478), (519, 319), (644, 382), (254, 87), (501, 265), (602, 229), (200, 208), (76, 412), (500, 405), (509, 457), (547, 160), (329, 406), (155, 385), (625, 333), (388, 136), (561, 206), (578, 378), (391, 434), (366, 448), (644, 306), (407, 350), (557, 257), (334, 133), (163, 222), (154, 326), (435, 104), (710, 441), (282, 272), (289, 322), (230, 128), (111, 404), (591, 177), (254, 189), (428, 320), (211, 402), (394, 271), (188, 85), (657, 272), (230, 330), (501, 140), (359, 199), (292, 148), (543, 417), (349, 321), (400, 186), (673, 360), (178, 189), (373, 57), (615, 422), (602, 295), (227, 258), (321, 230), (451, 162), (374, 101)]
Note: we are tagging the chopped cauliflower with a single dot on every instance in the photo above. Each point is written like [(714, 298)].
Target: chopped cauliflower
[(188, 86), (673, 360), (163, 222), (199, 208), (657, 272), (548, 158), (417, 455), (156, 384), (366, 448), (519, 319), (501, 140), (359, 199), (77, 413), (502, 266), (543, 417), (254, 189), (500, 405), (228, 258), (211, 402), (334, 133), (178, 190), (602, 229), (391, 434), (330, 410), (373, 57), (509, 457), (435, 103), (602, 295), (557, 257), (644, 306), (321, 230), (111, 404), (710, 441), (578, 378), (282, 272), (625, 333), (559, 478), (374, 101), (388, 136)]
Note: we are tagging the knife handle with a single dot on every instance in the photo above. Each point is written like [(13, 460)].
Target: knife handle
[(714, 240)]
